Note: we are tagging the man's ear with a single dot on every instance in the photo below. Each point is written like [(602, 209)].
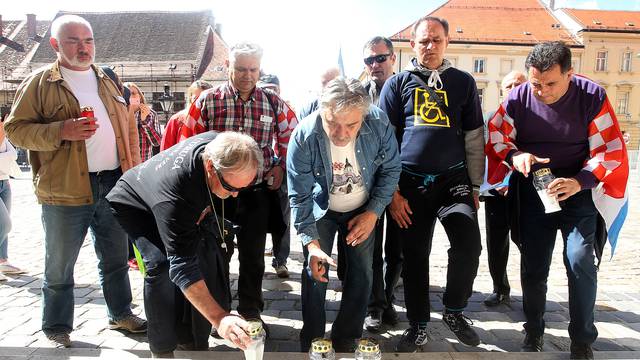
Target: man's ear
[(54, 44)]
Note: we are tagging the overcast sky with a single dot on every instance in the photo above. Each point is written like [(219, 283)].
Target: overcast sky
[(300, 37)]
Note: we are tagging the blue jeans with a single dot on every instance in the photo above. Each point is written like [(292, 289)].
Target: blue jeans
[(5, 217), (65, 228), (577, 223), (356, 285)]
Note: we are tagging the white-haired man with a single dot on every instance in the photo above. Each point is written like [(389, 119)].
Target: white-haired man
[(75, 161), (239, 105)]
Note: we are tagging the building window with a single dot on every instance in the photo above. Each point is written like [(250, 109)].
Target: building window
[(481, 96), (575, 65), (506, 65), (601, 61), (627, 57), (453, 61), (622, 102), (479, 66)]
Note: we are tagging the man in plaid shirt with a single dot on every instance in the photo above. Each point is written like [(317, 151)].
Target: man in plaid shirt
[(241, 106)]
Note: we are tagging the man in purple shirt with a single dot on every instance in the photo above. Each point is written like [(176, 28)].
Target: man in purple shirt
[(550, 122)]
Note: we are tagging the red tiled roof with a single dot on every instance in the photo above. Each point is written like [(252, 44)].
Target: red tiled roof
[(606, 19), (497, 21)]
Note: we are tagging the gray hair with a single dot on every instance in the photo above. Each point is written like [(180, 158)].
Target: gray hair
[(376, 40), (245, 49), (58, 25), (344, 93), (233, 152)]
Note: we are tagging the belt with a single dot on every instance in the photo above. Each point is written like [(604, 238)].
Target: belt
[(429, 179), (104, 172)]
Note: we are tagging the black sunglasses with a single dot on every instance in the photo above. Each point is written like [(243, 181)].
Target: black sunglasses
[(225, 184), (377, 58)]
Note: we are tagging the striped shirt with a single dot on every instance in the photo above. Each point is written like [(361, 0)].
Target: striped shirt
[(148, 134)]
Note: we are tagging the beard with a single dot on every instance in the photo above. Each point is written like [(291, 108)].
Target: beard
[(75, 61)]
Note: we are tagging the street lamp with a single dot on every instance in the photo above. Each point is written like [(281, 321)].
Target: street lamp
[(166, 101)]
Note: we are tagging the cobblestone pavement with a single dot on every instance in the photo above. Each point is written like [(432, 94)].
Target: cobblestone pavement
[(500, 328)]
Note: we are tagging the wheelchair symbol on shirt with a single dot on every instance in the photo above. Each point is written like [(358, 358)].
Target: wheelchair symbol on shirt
[(427, 113)]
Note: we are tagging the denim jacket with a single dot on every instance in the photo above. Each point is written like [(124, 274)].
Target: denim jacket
[(309, 170)]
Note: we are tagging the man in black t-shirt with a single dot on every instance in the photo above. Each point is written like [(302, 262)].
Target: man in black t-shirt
[(160, 204)]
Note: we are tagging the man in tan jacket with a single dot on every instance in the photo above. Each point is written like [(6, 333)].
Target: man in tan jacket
[(76, 160)]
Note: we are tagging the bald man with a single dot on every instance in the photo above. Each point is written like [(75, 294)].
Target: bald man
[(496, 221)]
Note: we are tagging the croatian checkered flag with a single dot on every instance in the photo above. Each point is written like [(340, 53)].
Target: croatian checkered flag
[(608, 162), (192, 122)]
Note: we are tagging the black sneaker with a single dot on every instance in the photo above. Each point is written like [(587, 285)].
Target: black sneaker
[(373, 321), (496, 299), (532, 343), (412, 339), (460, 325), (390, 316), (581, 351)]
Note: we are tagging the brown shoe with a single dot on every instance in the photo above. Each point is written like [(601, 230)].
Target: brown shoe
[(130, 323)]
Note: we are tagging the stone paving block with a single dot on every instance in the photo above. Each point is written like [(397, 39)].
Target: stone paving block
[(555, 316), (628, 317), (329, 305), (488, 316), (273, 295), (16, 341), (281, 332), (282, 304), (118, 343), (606, 316), (554, 306), (607, 345), (507, 335), (293, 315)]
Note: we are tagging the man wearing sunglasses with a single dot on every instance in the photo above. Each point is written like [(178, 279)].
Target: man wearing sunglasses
[(163, 204), (379, 61), (438, 118), (342, 169)]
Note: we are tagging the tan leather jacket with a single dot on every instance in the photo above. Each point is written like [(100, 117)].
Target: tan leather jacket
[(60, 170)]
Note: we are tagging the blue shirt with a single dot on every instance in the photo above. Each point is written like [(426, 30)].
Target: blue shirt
[(309, 171)]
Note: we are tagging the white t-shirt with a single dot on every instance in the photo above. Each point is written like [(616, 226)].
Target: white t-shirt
[(347, 191), (102, 152)]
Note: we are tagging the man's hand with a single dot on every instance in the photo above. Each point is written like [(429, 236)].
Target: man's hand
[(277, 173), (400, 210), (563, 188), (360, 227), (234, 328), (79, 129), (522, 162), (317, 259)]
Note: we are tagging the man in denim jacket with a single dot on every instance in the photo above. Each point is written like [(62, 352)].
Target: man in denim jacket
[(343, 167)]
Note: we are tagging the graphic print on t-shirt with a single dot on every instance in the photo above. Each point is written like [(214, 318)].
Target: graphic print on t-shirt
[(426, 110), (345, 179)]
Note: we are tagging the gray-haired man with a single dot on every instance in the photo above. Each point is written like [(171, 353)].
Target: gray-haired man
[(161, 204), (342, 169)]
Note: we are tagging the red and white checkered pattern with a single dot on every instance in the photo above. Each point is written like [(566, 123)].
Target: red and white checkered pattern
[(502, 134)]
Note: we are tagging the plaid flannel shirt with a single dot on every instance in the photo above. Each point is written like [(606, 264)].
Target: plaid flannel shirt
[(264, 116), (148, 134)]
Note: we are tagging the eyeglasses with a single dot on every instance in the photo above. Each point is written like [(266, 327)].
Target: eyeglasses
[(225, 184), (377, 58)]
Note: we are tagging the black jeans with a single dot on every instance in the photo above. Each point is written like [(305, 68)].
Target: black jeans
[(385, 273), (450, 199), (171, 319), (252, 214), (497, 226), (577, 222)]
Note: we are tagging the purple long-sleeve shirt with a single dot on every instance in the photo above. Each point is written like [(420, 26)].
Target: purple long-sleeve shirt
[(559, 131)]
